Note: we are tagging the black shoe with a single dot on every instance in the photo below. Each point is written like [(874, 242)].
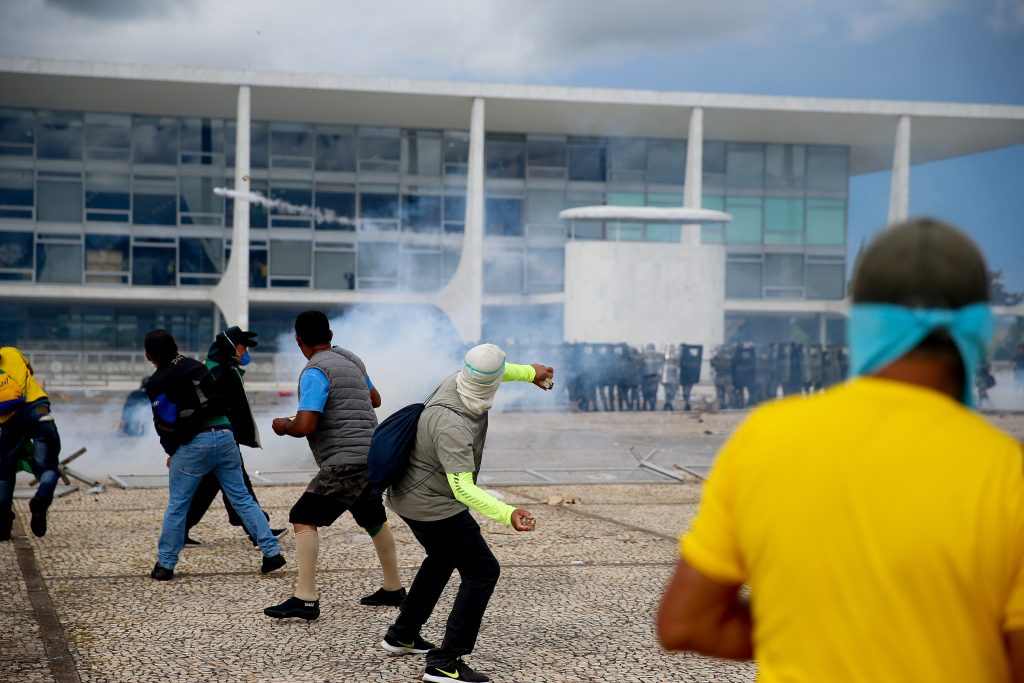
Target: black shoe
[(278, 533), (457, 671), (293, 607), (271, 563), (191, 542), (38, 522), (397, 646), (161, 573), (383, 598)]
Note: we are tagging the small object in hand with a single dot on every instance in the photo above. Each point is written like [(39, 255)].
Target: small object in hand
[(530, 522), (547, 383)]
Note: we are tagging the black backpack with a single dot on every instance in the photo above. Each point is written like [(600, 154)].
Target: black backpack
[(390, 447)]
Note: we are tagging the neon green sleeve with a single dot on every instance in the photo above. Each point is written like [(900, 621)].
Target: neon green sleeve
[(470, 495), (518, 373)]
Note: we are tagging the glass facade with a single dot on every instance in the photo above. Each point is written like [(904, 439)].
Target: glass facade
[(96, 198)]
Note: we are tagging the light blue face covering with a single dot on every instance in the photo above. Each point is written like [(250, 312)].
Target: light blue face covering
[(881, 333)]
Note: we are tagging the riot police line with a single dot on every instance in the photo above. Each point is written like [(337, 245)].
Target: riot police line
[(620, 377)]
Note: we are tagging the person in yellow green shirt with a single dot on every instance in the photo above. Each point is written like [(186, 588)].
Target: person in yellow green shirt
[(25, 417), (880, 525), (434, 495)]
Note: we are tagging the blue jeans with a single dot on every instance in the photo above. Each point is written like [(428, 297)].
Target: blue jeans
[(209, 452), (33, 422)]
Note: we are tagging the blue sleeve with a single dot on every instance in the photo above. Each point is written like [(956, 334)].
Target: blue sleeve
[(369, 384), (313, 390)]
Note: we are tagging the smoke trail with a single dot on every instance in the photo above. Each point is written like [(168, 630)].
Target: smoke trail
[(316, 213)]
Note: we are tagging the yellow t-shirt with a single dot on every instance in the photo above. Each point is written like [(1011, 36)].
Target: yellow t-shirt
[(880, 527), (15, 367)]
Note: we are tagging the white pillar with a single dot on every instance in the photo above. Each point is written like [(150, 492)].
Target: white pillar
[(694, 172), (899, 193), (232, 292), (462, 298)]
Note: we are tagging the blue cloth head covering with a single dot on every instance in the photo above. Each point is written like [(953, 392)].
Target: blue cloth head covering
[(880, 333)]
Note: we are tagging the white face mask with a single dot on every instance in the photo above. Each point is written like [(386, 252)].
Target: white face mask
[(480, 377)]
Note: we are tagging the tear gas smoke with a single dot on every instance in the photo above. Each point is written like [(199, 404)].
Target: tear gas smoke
[(316, 213)]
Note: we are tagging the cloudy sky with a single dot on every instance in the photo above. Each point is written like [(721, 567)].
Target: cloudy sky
[(946, 50)]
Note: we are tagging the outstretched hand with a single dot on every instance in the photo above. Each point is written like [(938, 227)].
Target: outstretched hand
[(545, 377), (522, 520)]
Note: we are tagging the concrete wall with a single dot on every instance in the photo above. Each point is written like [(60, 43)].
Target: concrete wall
[(640, 292)]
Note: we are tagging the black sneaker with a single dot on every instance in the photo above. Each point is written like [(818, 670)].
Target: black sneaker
[(397, 646), (457, 671), (191, 542), (293, 607), (38, 522), (161, 573), (383, 598), (271, 563)]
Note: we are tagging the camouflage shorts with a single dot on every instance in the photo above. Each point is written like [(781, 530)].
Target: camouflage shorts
[(341, 482)]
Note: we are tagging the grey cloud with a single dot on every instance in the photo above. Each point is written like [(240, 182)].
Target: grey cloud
[(118, 9)]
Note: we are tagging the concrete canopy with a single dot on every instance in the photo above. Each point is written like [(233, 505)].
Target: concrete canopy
[(941, 130), (644, 214)]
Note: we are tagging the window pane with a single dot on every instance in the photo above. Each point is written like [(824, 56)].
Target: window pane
[(16, 194), (59, 135), (15, 250), (59, 200), (827, 169), (290, 259), (545, 270), (59, 263), (454, 212), (714, 157), (377, 260), (154, 201), (421, 213), (380, 149), (202, 141), (336, 148), (421, 150), (259, 144), (200, 255), (420, 270), (826, 280), (378, 208), (745, 227), (742, 280), (108, 136), (196, 197), (335, 270), (826, 222), (587, 162), (258, 269), (503, 216), (153, 266), (17, 132), (744, 166), (784, 166), (341, 199), (666, 161), (295, 192), (107, 197), (628, 159), (106, 259), (784, 270), (456, 152), (505, 159), (784, 220), (155, 140), (543, 207), (291, 145), (546, 156), (664, 232), (712, 233), (503, 272)]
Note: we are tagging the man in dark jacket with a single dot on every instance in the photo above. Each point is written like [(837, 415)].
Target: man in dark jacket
[(226, 359), (190, 420)]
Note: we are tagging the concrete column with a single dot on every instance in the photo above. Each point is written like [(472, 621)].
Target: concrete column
[(232, 292), (462, 298), (694, 172), (899, 194)]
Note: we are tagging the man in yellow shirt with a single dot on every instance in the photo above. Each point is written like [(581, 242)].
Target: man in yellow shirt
[(25, 417), (880, 525)]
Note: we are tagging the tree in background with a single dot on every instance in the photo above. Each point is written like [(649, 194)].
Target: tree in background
[(1008, 338)]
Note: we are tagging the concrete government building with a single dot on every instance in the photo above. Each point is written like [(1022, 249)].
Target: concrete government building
[(449, 195)]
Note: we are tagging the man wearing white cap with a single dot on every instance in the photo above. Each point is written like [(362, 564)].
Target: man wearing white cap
[(434, 495)]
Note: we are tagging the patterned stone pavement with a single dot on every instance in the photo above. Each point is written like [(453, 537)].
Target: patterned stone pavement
[(575, 602)]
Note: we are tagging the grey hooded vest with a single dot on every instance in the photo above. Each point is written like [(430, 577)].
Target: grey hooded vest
[(342, 435)]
